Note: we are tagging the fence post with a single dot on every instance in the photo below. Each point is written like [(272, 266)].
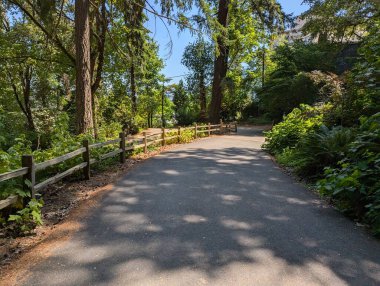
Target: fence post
[(209, 129), (86, 158), (221, 126), (235, 127), (28, 162), (145, 142), (179, 134), (122, 147), (163, 143), (196, 131)]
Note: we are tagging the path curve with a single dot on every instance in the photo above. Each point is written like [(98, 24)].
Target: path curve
[(213, 212)]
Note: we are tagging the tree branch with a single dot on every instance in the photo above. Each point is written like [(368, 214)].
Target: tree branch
[(54, 38)]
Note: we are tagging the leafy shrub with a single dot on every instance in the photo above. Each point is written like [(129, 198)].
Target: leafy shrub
[(355, 184), (281, 95), (295, 126), (186, 136), (365, 76), (291, 82), (287, 157), (26, 219), (321, 148), (62, 142)]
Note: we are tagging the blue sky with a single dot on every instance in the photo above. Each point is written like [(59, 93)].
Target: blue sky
[(182, 39)]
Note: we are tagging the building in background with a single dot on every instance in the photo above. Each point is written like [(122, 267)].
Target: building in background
[(297, 34)]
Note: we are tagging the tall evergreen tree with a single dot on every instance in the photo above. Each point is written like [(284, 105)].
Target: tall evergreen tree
[(84, 118)]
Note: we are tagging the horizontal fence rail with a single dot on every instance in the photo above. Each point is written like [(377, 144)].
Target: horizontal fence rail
[(102, 144), (29, 168), (13, 174), (60, 159)]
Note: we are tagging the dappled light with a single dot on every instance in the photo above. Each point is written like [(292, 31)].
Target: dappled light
[(192, 216)]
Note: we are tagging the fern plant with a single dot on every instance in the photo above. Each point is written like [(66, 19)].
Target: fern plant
[(324, 147), (354, 184)]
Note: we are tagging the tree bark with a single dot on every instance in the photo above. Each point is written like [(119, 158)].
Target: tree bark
[(133, 89), (101, 27), (84, 119), (220, 65), (26, 84)]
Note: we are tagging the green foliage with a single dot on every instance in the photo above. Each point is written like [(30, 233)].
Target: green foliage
[(331, 145), (294, 80), (320, 148), (281, 95), (186, 136), (185, 110), (295, 126), (339, 19), (198, 58), (26, 219), (354, 184), (61, 143), (350, 159), (364, 81)]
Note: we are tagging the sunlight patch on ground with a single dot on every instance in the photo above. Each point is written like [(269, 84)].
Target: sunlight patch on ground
[(296, 201), (234, 224), (170, 172), (194, 219), (277, 218)]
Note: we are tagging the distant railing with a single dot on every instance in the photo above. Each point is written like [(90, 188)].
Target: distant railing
[(30, 168)]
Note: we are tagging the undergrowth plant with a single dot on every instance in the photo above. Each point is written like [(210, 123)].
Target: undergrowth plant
[(27, 218), (297, 124), (354, 185), (320, 148)]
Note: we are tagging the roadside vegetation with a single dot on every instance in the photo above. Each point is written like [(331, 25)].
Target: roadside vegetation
[(330, 133)]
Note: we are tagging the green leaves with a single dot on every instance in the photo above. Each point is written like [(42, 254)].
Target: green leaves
[(354, 184), (295, 126), (339, 19), (346, 160), (27, 219)]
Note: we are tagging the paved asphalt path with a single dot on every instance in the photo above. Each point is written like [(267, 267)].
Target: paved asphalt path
[(214, 212)]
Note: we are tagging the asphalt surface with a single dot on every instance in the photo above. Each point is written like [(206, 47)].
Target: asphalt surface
[(214, 212)]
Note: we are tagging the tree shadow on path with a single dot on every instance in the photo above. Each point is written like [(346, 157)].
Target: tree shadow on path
[(216, 216)]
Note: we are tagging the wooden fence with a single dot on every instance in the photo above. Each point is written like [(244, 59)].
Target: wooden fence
[(30, 168)]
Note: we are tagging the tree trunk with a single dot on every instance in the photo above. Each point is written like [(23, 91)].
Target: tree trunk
[(149, 120), (27, 78), (84, 117), (133, 89), (202, 100), (220, 65), (98, 60)]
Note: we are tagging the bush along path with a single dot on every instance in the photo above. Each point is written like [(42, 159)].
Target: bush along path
[(342, 163), (213, 212)]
